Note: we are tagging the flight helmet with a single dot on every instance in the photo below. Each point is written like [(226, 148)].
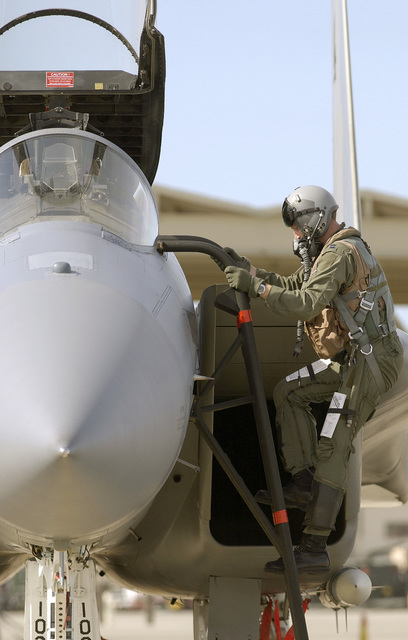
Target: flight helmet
[(310, 208)]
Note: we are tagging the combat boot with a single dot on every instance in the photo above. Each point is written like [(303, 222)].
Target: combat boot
[(297, 494), (310, 556), (321, 513)]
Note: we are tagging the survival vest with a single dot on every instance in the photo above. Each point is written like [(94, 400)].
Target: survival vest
[(363, 312)]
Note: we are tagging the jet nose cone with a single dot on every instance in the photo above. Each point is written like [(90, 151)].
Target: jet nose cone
[(92, 414)]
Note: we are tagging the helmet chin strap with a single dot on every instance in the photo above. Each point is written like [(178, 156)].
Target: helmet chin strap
[(311, 243)]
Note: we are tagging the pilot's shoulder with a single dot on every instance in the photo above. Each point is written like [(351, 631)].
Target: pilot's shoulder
[(338, 247)]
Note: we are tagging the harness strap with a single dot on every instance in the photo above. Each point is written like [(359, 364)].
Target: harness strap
[(369, 297), (345, 412), (358, 335), (311, 372), (351, 295)]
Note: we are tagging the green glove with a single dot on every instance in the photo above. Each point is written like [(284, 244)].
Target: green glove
[(241, 279), (241, 261)]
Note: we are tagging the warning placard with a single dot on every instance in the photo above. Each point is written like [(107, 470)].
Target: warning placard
[(60, 79)]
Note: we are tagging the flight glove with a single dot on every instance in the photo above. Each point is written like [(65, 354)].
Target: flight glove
[(242, 261), (241, 279)]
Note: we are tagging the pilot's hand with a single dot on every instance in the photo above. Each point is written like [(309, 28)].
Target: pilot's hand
[(241, 279), (242, 261)]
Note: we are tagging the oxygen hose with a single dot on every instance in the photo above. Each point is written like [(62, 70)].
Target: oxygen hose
[(305, 258)]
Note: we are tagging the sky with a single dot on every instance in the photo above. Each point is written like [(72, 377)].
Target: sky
[(249, 96)]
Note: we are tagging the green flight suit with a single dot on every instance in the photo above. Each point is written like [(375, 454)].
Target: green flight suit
[(332, 272)]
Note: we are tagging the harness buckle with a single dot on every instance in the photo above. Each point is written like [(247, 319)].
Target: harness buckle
[(351, 335), (366, 305), (384, 329)]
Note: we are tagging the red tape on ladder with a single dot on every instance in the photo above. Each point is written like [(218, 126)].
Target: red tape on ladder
[(243, 317), (279, 517)]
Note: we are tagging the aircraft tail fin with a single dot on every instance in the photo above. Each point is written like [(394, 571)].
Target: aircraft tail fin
[(345, 178)]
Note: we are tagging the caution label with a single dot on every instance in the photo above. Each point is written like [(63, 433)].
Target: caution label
[(60, 79)]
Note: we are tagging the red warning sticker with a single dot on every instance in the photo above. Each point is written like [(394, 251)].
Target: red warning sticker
[(60, 79)]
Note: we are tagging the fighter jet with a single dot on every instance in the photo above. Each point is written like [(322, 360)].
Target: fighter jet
[(135, 430)]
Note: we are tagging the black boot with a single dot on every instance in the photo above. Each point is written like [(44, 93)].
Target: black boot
[(321, 513), (322, 510), (310, 556), (297, 494)]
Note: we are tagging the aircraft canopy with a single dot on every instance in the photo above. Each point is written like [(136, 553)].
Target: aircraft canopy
[(75, 176)]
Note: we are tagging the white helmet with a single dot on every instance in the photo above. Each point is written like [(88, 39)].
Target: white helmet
[(311, 209)]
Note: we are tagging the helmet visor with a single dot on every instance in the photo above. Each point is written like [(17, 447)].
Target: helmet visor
[(288, 214)]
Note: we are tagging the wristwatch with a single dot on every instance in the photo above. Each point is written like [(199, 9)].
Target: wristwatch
[(261, 289)]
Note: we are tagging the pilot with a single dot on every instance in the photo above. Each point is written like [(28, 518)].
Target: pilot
[(342, 300)]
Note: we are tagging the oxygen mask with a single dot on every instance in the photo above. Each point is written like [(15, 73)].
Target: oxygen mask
[(306, 248), (299, 247)]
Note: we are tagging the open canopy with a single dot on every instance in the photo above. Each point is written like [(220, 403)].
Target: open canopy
[(123, 103)]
